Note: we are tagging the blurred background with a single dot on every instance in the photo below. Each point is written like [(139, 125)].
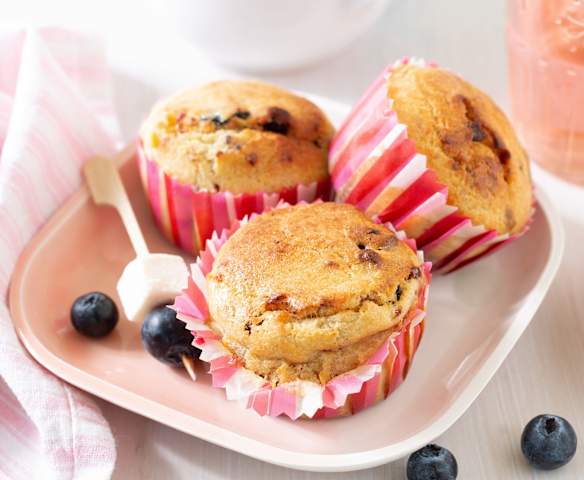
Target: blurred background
[(149, 54)]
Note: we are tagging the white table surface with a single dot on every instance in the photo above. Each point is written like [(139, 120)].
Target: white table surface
[(545, 371)]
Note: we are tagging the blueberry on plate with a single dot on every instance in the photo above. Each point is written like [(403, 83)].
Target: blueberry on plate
[(94, 314), (432, 462), (548, 442), (166, 338)]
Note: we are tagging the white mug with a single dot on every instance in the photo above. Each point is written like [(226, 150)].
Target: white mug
[(264, 35)]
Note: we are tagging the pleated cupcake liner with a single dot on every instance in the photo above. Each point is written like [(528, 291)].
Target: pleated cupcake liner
[(375, 166), (343, 395), (188, 217)]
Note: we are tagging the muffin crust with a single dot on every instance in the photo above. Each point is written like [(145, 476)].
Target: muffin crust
[(238, 136), (311, 291), (469, 143)]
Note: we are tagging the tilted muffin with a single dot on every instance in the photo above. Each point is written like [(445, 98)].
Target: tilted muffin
[(242, 140), (468, 142), (434, 155), (311, 292)]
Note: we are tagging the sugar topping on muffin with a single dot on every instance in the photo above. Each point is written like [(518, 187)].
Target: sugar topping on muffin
[(311, 291), (468, 142), (238, 136)]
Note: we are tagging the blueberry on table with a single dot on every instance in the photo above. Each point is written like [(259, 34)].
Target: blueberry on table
[(432, 462), (166, 338), (548, 442), (94, 314)]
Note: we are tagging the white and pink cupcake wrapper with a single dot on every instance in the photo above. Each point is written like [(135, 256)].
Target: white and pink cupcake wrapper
[(188, 217), (375, 166), (343, 395)]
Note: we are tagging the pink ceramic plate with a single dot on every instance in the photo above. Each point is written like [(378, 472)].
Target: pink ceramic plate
[(475, 317)]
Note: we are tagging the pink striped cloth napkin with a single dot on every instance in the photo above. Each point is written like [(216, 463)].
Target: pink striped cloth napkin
[(55, 112)]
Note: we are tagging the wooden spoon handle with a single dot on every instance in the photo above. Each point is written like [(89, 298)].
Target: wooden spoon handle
[(107, 188)]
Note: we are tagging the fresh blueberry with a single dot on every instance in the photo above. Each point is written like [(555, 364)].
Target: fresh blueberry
[(166, 338), (94, 314), (548, 442), (432, 462)]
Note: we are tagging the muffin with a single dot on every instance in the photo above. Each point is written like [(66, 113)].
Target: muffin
[(304, 299), (213, 154), (433, 154)]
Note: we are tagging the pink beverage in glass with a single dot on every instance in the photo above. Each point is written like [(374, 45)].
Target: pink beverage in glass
[(546, 78)]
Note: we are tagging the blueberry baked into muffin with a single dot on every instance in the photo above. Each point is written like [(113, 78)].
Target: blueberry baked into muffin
[(247, 142)]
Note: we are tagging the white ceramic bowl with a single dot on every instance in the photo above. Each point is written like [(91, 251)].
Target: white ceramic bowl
[(269, 35)]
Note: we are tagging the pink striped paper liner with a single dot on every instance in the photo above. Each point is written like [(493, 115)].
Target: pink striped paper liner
[(189, 217), (375, 166), (345, 394)]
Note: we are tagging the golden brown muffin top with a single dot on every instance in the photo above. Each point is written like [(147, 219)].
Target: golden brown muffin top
[(469, 142), (238, 136), (311, 291)]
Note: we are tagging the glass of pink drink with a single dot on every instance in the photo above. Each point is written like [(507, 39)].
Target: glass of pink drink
[(546, 77)]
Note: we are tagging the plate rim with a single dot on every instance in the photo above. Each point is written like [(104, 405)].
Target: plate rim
[(220, 436)]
